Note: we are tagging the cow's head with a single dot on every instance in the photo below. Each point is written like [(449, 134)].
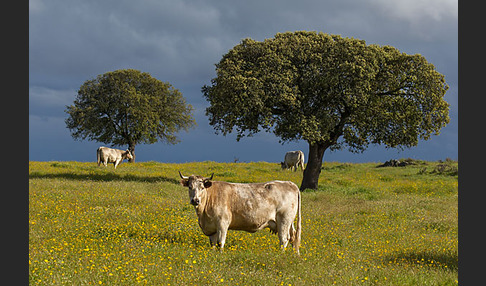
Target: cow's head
[(197, 186), (128, 154), (283, 165)]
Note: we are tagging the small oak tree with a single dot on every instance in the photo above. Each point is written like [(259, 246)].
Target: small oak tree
[(128, 107), (330, 91)]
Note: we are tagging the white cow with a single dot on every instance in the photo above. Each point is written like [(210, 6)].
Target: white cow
[(107, 155), (293, 159), (221, 206)]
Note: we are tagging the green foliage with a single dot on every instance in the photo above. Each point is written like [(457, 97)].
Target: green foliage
[(330, 91), (128, 107), (89, 225), (320, 88)]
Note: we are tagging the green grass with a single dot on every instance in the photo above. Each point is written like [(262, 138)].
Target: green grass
[(91, 225)]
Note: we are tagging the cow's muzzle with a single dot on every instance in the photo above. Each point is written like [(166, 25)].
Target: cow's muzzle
[(195, 202)]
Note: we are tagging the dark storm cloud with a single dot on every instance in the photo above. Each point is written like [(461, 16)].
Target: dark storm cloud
[(82, 39), (180, 41), (86, 38)]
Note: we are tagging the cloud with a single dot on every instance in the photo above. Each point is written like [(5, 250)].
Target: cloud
[(45, 101), (180, 41), (36, 6), (90, 38), (51, 97), (419, 10), (429, 20)]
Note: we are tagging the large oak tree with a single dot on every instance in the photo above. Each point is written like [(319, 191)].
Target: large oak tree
[(128, 107), (330, 91)]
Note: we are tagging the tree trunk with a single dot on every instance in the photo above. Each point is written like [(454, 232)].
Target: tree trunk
[(314, 164), (131, 147)]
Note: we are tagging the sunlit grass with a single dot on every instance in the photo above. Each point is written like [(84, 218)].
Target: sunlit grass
[(91, 225)]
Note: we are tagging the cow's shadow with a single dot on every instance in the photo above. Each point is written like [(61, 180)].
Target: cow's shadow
[(107, 177), (425, 258)]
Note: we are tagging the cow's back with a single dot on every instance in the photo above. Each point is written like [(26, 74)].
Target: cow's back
[(101, 154), (104, 153), (269, 192), (252, 206), (109, 155), (292, 157)]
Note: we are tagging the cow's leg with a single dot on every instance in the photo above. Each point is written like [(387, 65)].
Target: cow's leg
[(292, 234), (272, 226), (105, 163), (222, 237), (213, 240), (283, 230), (221, 233), (116, 163)]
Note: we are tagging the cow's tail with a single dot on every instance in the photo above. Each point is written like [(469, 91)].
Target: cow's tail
[(301, 161), (98, 155), (299, 226)]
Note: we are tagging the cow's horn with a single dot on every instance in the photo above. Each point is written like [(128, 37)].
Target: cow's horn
[(184, 178), (209, 179)]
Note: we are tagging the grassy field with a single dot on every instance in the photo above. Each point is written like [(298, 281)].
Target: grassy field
[(91, 225)]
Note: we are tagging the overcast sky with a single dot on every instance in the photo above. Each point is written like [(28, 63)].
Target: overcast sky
[(180, 42)]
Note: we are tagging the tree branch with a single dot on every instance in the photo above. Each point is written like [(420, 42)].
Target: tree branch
[(115, 125)]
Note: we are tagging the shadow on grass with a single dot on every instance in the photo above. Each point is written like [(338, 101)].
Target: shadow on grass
[(168, 236), (449, 261), (103, 177)]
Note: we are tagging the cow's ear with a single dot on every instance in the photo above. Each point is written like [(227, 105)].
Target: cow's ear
[(207, 183), (185, 183)]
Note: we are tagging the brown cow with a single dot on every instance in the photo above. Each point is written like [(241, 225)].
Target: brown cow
[(250, 207)]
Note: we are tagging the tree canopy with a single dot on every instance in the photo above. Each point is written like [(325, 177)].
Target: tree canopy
[(330, 91), (128, 107)]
